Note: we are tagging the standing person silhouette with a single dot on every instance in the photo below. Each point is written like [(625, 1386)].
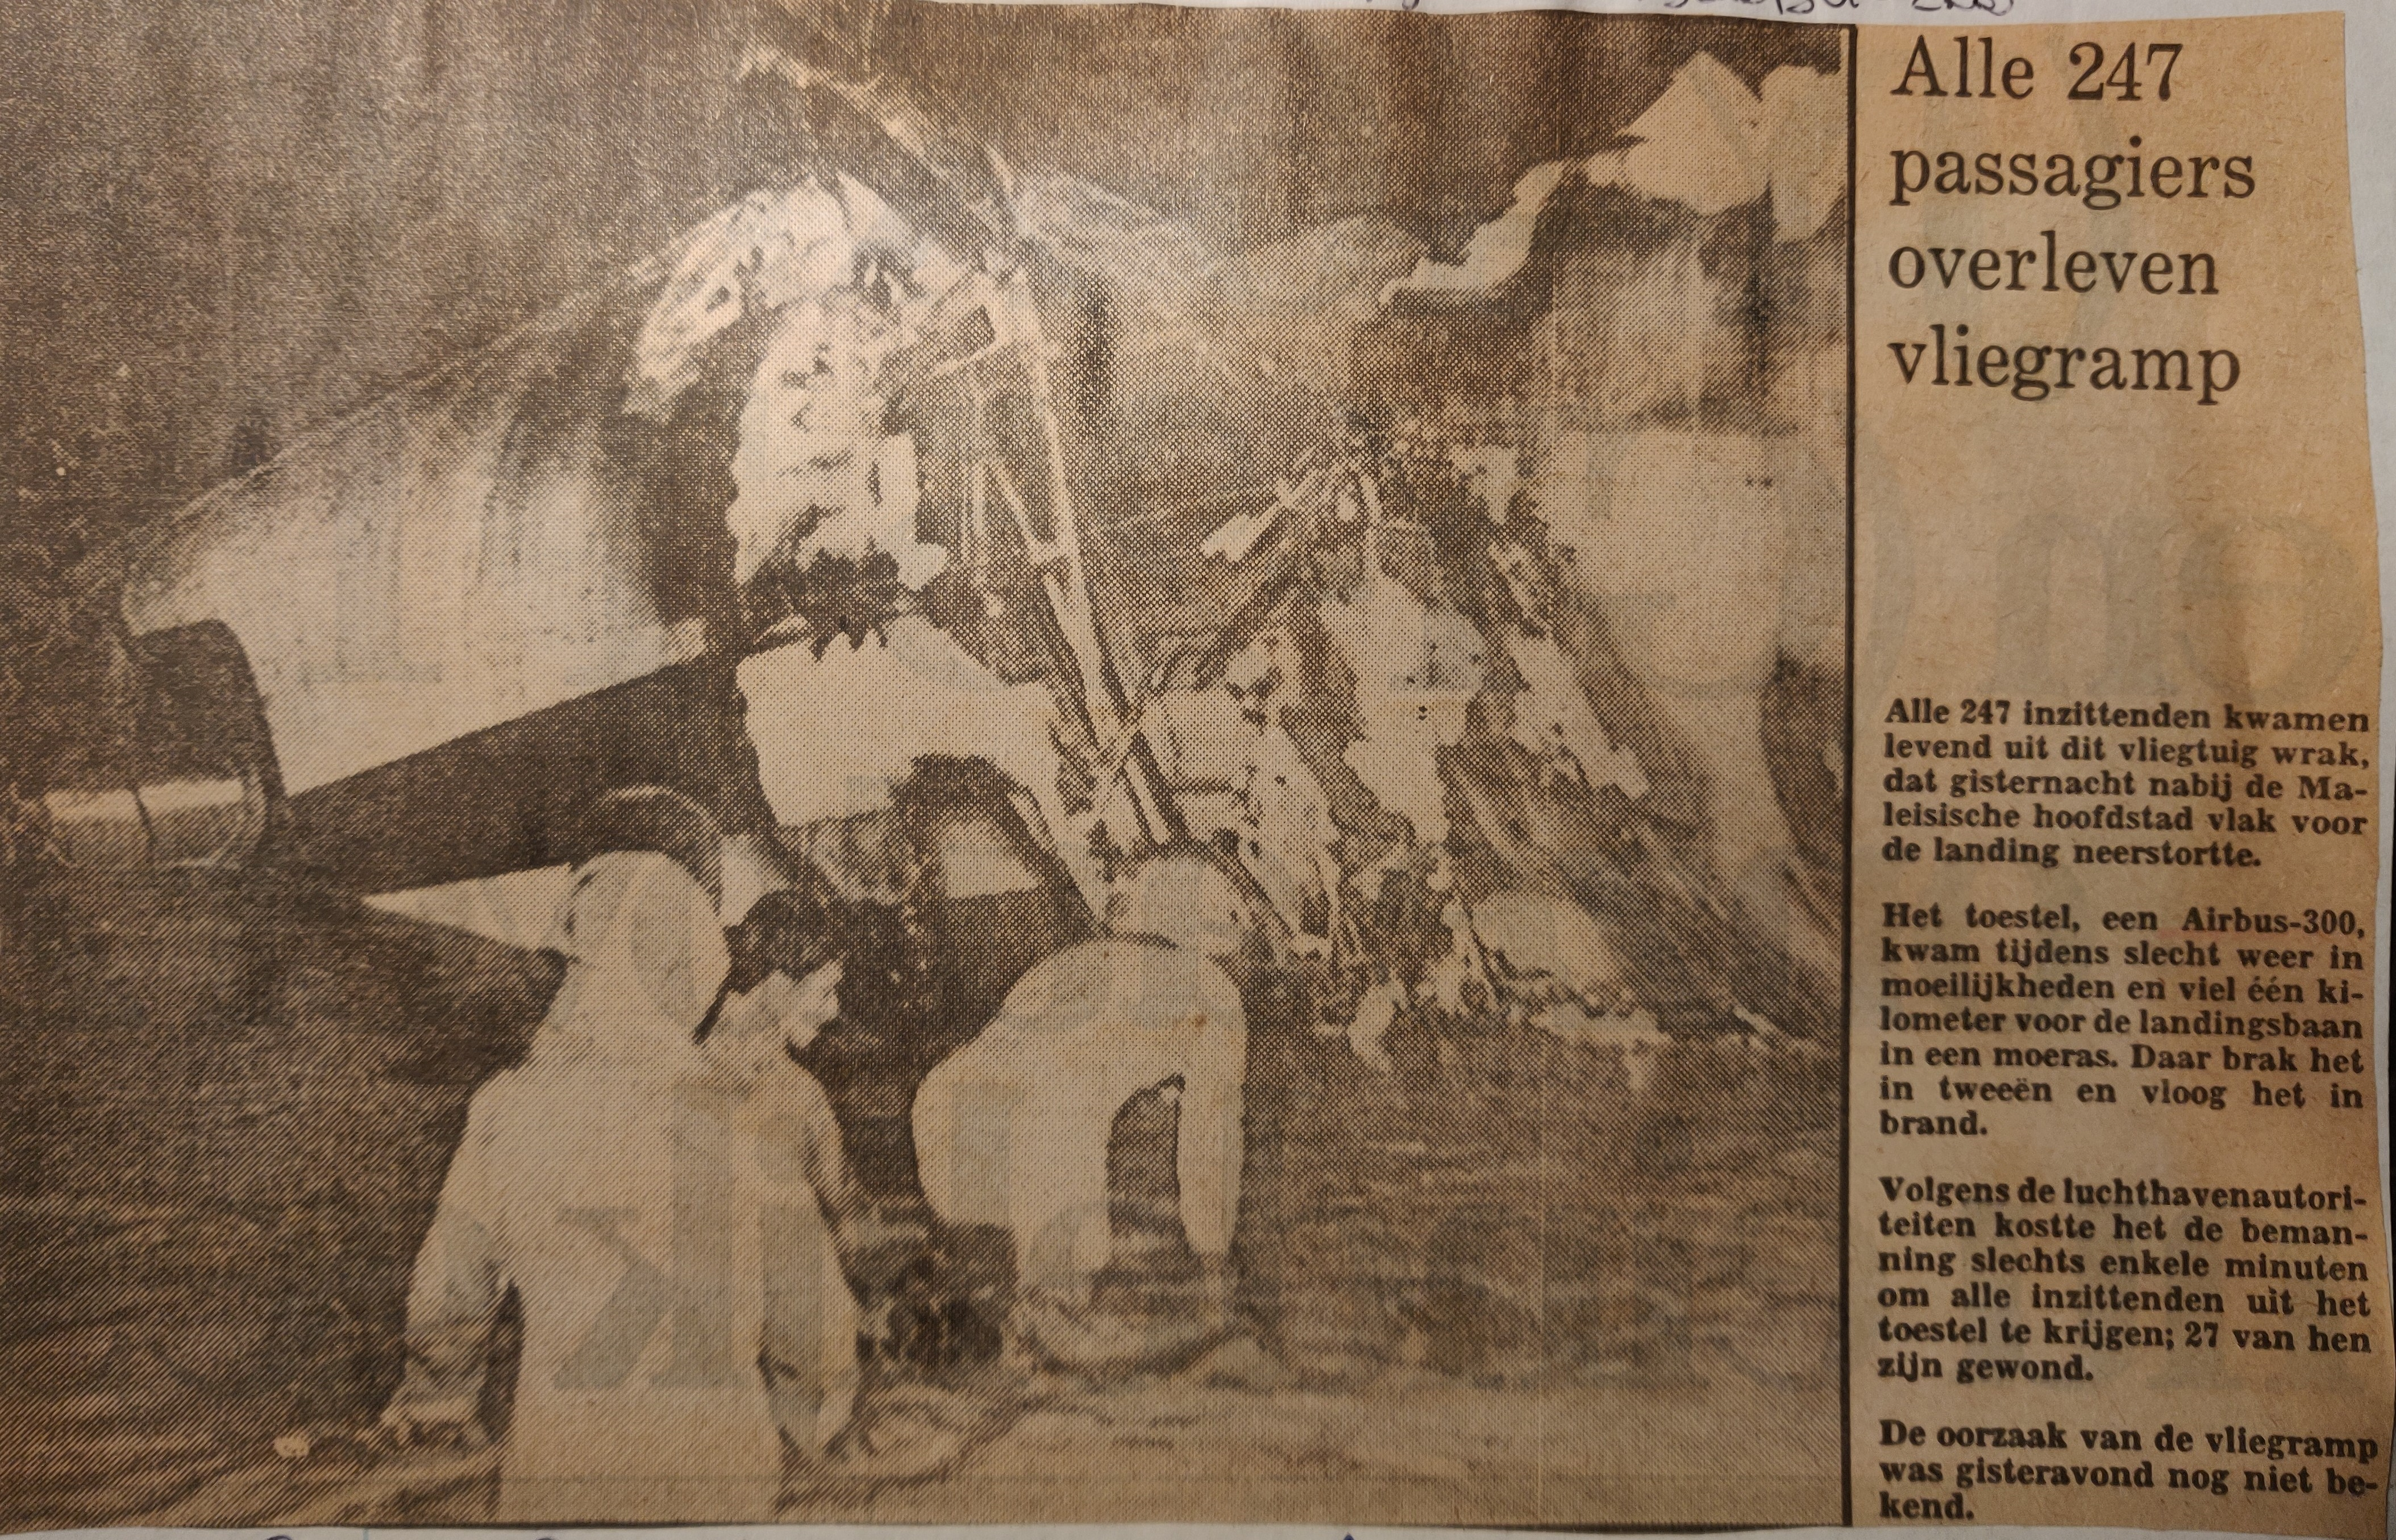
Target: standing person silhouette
[(657, 1224)]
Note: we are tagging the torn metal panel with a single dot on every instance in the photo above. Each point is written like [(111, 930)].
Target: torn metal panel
[(1708, 143), (834, 734)]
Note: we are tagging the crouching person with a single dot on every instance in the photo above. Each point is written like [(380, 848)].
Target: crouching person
[(1013, 1129), (655, 1220)]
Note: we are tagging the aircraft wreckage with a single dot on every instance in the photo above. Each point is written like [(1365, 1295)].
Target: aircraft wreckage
[(916, 459)]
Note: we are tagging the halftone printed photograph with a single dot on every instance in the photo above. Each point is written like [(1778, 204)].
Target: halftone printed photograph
[(864, 760)]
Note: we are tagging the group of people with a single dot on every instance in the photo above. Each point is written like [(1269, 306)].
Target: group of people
[(664, 1190)]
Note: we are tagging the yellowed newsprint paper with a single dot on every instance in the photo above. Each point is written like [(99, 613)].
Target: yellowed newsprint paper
[(2117, 1251), (863, 762)]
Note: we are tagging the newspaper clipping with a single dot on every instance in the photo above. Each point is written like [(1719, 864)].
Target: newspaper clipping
[(2117, 1251), (877, 761)]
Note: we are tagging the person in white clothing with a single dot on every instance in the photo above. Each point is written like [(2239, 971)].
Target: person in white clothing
[(653, 1208), (1011, 1129)]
